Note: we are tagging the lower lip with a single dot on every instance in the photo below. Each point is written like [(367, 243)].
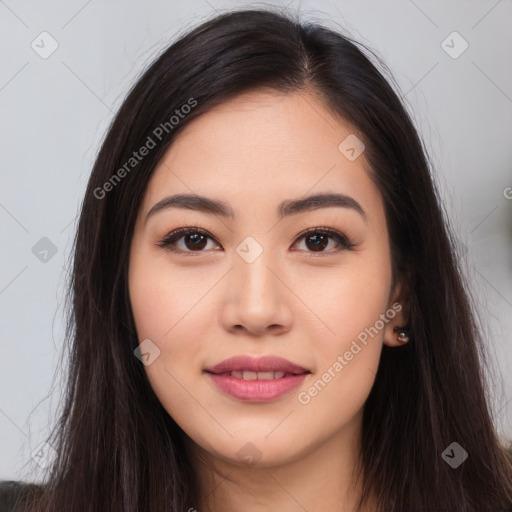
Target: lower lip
[(257, 390)]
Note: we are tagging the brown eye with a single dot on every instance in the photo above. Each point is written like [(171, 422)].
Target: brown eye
[(194, 240), (317, 239), (318, 242)]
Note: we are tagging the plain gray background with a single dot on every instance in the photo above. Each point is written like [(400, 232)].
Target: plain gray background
[(55, 111)]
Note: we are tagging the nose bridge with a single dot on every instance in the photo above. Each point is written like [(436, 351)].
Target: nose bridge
[(256, 293), (255, 278)]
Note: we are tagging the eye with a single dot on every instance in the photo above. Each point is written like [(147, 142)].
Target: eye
[(317, 239), (196, 239)]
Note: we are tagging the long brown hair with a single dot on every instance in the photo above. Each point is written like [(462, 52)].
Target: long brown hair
[(117, 447)]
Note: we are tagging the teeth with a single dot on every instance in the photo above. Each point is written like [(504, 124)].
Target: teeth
[(247, 375)]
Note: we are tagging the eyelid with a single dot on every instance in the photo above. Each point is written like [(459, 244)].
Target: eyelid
[(326, 230)]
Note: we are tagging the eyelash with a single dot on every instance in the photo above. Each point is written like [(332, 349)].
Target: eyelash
[(175, 235)]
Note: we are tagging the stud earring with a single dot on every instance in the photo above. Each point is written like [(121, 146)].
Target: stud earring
[(403, 334)]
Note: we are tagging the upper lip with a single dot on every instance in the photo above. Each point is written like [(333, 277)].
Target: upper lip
[(260, 364)]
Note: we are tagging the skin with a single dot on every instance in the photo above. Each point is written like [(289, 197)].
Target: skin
[(253, 152)]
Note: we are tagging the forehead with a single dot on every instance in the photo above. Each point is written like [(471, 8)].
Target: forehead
[(262, 147)]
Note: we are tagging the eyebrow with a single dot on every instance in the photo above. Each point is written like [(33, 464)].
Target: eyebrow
[(284, 209)]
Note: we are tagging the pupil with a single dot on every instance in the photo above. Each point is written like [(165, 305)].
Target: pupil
[(196, 240), (318, 244)]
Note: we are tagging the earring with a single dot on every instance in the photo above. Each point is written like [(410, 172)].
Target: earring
[(403, 334)]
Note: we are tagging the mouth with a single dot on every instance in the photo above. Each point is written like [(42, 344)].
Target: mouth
[(256, 380)]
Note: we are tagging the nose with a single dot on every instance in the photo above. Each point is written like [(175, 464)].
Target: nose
[(257, 298)]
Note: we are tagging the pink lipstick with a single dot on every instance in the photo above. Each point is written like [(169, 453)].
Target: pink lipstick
[(256, 379)]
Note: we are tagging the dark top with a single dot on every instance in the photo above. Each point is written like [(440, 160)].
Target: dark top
[(10, 490)]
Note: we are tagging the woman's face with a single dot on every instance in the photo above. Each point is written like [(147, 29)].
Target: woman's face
[(254, 285)]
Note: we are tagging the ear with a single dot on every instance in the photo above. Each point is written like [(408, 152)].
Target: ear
[(400, 306)]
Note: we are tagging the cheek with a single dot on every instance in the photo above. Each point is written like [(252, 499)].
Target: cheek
[(348, 350), (352, 304), (348, 298), (166, 313), (161, 299), (160, 314), (166, 307)]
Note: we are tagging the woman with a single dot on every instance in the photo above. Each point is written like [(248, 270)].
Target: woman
[(266, 309)]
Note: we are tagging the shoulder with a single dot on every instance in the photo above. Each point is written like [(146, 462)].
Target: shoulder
[(11, 490)]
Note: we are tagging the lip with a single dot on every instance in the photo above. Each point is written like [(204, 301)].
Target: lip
[(260, 364), (257, 390)]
